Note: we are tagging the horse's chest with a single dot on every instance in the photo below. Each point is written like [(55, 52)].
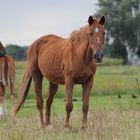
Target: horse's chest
[(83, 75)]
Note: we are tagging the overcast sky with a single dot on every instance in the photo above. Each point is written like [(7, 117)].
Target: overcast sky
[(23, 21)]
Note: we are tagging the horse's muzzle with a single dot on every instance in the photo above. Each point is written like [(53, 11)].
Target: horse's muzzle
[(98, 57)]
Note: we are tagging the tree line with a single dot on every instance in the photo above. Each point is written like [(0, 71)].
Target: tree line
[(16, 51), (122, 28)]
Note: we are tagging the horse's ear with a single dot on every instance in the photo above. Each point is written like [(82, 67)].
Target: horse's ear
[(102, 20), (1, 44), (90, 20)]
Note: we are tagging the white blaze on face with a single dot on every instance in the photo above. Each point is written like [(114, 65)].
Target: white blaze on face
[(96, 30)]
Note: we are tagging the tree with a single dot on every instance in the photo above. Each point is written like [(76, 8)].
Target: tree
[(123, 26), (17, 52)]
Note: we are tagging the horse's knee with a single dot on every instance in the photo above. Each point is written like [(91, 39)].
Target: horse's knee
[(39, 104), (69, 107)]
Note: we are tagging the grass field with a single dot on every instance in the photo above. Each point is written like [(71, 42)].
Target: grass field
[(109, 118)]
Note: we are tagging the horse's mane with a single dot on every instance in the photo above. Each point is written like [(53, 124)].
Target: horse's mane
[(78, 36), (1, 46)]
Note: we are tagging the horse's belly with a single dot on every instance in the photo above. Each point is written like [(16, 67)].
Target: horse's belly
[(51, 71), (53, 74), (53, 77), (50, 62)]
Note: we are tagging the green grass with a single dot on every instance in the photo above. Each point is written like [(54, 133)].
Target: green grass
[(109, 80), (111, 61), (109, 117)]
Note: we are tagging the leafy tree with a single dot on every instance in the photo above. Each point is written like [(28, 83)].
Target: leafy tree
[(17, 52), (123, 26)]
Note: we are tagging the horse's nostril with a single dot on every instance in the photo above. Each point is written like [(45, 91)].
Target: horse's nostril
[(98, 56)]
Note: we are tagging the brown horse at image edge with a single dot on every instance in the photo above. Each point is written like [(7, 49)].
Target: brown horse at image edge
[(7, 77), (67, 61)]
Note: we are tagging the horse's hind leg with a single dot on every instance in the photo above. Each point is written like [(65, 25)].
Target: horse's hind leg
[(37, 78), (86, 93), (51, 92)]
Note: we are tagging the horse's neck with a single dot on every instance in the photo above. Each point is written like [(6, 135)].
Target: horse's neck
[(82, 49), (79, 42), (88, 54)]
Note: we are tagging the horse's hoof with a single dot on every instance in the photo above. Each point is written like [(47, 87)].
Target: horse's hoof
[(12, 112), (49, 127), (41, 126), (84, 127), (67, 127)]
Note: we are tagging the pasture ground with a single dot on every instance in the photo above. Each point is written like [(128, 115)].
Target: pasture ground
[(109, 118)]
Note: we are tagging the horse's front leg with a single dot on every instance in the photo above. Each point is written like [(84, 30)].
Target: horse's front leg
[(69, 105), (86, 93)]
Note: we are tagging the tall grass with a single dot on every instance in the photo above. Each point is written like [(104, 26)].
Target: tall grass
[(109, 118)]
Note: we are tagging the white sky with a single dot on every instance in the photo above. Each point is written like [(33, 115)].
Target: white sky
[(23, 21)]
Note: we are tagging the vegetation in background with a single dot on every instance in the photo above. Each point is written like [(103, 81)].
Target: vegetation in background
[(109, 117), (123, 28), (17, 52), (122, 31)]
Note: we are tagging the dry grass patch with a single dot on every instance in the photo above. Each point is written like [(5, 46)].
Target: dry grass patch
[(102, 125)]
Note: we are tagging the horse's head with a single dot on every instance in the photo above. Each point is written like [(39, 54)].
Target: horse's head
[(96, 37)]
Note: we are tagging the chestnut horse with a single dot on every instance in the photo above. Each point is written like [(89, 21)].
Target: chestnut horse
[(64, 61), (7, 76)]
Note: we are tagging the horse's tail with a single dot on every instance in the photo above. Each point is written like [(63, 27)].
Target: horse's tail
[(24, 88)]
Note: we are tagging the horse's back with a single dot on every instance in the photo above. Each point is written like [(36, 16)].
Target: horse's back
[(42, 41), (51, 59), (47, 54)]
